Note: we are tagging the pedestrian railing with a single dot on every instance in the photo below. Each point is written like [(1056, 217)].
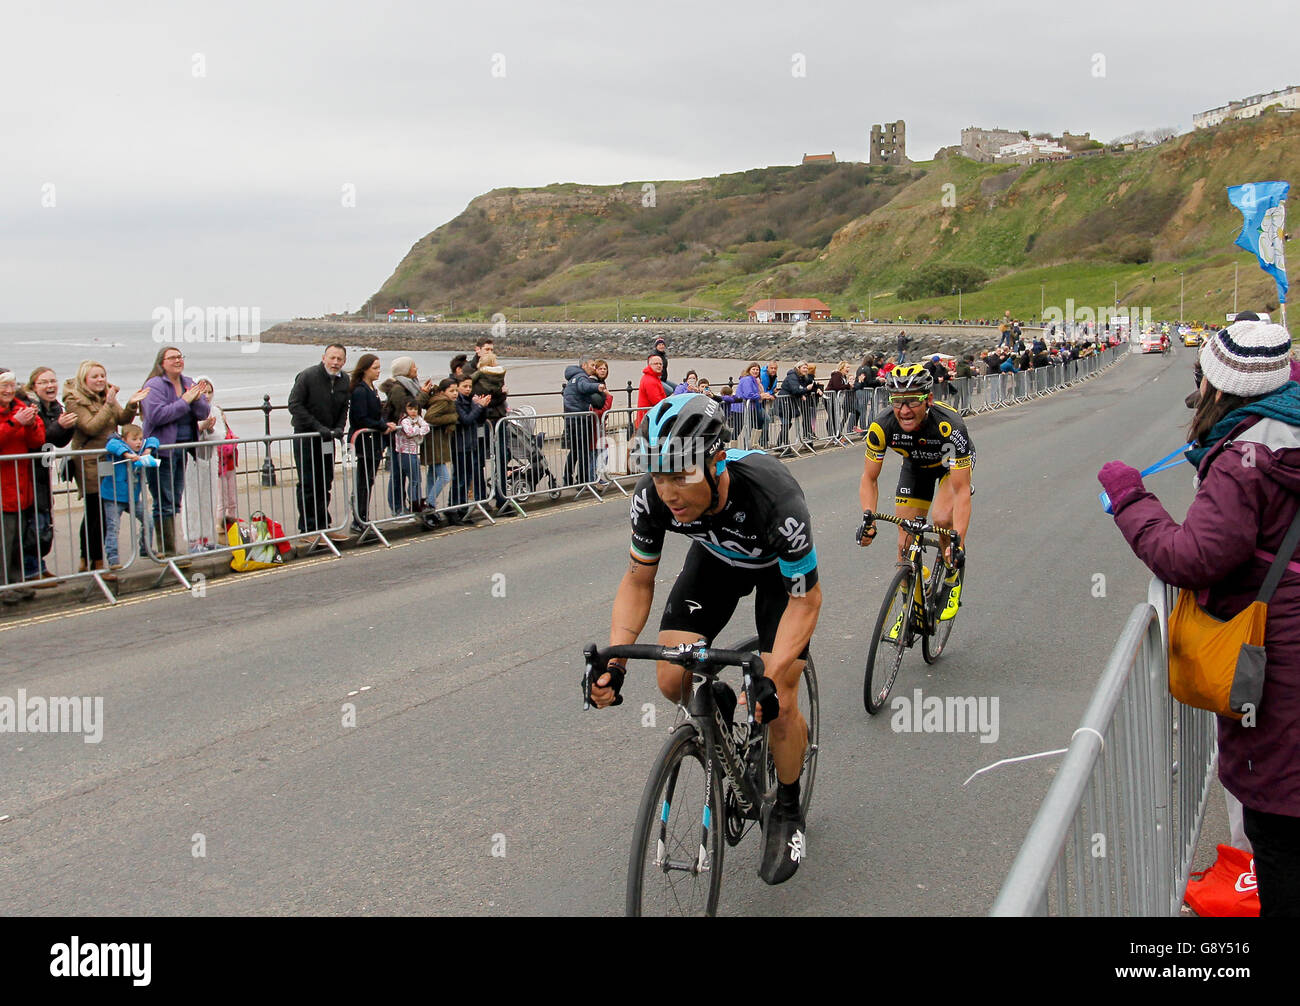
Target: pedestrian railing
[(1117, 830)]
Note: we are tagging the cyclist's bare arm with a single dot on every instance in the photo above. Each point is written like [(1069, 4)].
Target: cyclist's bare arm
[(636, 593), (868, 488)]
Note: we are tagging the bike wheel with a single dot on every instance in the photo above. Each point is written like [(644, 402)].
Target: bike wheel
[(676, 864), (809, 703), (885, 656), (934, 642)]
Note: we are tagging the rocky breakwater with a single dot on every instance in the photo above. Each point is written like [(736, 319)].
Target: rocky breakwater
[(557, 340)]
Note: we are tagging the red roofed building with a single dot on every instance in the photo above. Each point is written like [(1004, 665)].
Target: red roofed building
[(789, 309), (819, 158)]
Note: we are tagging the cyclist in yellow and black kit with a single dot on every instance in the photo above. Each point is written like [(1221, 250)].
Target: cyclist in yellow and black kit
[(938, 458)]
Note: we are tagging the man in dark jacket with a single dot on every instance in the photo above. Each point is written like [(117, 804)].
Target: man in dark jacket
[(582, 393), (795, 389), (661, 351), (318, 404), (903, 343)]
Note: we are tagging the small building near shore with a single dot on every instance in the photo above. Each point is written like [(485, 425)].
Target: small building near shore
[(789, 309)]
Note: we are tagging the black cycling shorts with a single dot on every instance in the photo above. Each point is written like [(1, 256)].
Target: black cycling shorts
[(707, 591), (916, 485)]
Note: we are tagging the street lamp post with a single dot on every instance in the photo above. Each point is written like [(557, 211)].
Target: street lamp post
[(1042, 301)]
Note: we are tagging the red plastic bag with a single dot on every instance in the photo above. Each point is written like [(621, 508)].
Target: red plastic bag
[(1226, 889)]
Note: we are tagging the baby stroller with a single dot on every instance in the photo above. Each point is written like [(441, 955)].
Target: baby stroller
[(526, 469)]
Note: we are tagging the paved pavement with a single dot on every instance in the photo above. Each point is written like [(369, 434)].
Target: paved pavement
[(225, 717)]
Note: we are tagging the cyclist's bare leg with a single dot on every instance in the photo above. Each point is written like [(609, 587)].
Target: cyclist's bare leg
[(672, 678), (907, 513), (788, 733), (945, 499)]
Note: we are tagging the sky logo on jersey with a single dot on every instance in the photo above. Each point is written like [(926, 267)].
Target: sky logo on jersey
[(792, 530), (640, 504)]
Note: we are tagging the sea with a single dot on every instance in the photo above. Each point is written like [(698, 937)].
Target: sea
[(242, 373)]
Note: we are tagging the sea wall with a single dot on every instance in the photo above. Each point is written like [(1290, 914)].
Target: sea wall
[(553, 340)]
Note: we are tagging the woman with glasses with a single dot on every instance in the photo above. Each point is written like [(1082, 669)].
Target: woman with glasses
[(42, 391), (174, 410)]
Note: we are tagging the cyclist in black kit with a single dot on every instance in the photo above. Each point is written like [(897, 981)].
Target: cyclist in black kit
[(751, 533)]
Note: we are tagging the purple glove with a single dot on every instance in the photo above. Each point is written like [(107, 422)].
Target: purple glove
[(1121, 483)]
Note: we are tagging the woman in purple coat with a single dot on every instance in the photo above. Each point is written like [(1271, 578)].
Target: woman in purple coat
[(1247, 456), (173, 410)]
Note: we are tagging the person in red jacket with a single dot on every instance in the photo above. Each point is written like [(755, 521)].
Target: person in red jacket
[(652, 390), (21, 432), (1246, 430)]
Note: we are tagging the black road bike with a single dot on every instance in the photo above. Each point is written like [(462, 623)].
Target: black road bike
[(911, 609), (712, 781)]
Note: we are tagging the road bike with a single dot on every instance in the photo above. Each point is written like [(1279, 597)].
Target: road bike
[(712, 781), (911, 609)]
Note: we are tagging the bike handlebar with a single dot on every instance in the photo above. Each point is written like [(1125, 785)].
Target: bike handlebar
[(913, 525), (693, 656)]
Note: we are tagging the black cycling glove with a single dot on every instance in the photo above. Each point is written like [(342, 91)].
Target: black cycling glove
[(765, 698), (598, 669), (867, 529)]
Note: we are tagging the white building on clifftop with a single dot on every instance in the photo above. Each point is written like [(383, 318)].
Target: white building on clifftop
[(1247, 108)]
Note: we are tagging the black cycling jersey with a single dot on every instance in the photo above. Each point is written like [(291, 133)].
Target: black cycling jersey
[(941, 441), (764, 522)]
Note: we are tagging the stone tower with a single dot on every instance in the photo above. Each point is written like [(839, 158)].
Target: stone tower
[(889, 143)]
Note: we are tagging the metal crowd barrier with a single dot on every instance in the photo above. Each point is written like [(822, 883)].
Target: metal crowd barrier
[(204, 487), (60, 532), (1116, 832)]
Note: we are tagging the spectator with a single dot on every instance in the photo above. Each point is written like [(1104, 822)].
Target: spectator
[(1245, 431), (490, 379), (795, 389), (651, 390), (689, 386), (21, 432), (402, 387), (368, 431), (43, 393), (582, 393), (661, 351), (410, 434), (600, 463), (121, 488), (467, 470), (172, 411), (771, 382), (837, 401), (93, 401), (482, 346), (318, 404), (864, 380), (752, 392), (459, 365), (441, 417), (964, 375), (939, 371), (903, 342), (211, 503), (735, 407)]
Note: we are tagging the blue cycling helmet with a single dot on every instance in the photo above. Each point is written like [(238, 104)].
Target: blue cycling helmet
[(680, 434)]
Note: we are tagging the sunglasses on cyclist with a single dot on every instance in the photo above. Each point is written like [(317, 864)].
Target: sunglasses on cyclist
[(908, 401)]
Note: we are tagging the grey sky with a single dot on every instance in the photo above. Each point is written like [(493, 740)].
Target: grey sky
[(226, 188)]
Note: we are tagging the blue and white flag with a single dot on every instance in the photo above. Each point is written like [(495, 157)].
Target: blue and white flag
[(1263, 204)]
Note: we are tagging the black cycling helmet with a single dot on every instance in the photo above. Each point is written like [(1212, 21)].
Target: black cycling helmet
[(679, 434)]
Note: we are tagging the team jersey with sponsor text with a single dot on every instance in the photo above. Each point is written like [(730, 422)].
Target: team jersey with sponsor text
[(764, 522), (942, 441)]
